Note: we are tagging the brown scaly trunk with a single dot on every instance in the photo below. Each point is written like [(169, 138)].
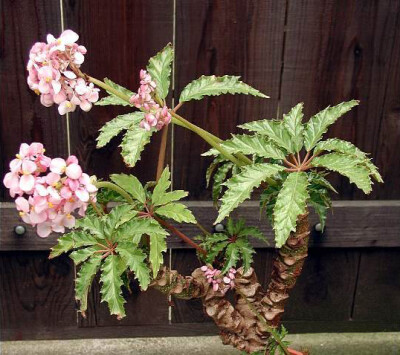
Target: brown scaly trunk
[(238, 324)]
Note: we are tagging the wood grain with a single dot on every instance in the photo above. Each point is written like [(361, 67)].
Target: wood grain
[(342, 50), (22, 117), (35, 293), (223, 37)]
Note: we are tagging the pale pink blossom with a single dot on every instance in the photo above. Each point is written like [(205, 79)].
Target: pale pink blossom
[(218, 280)]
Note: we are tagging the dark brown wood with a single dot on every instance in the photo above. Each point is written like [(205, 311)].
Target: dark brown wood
[(351, 224), (120, 37), (22, 117), (342, 50), (35, 293), (224, 37), (378, 286)]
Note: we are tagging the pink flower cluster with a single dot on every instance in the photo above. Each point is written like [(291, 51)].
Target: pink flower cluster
[(155, 116), (218, 281), (51, 75), (48, 190)]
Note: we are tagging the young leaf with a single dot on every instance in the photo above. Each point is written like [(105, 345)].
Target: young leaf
[(113, 219), (273, 129), (292, 122), (80, 255), (70, 241), (131, 184), (116, 125), (157, 247), (159, 68), (113, 99), (290, 203), (92, 224), (240, 186), (111, 280), (135, 259), (217, 85), (84, 280), (210, 170), (320, 201), (347, 166), (348, 148), (134, 229), (258, 145), (171, 196), (163, 184), (219, 178), (232, 257), (176, 211), (133, 144), (318, 124), (246, 252)]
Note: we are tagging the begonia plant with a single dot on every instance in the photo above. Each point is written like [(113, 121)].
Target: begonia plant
[(127, 239)]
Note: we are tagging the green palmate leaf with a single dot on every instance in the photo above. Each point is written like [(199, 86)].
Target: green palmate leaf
[(80, 255), (113, 99), (231, 256), (211, 169), (163, 184), (219, 178), (292, 122), (92, 224), (290, 203), (268, 200), (252, 232), (117, 125), (273, 129), (213, 252), (246, 252), (135, 259), (176, 211), (158, 246), (217, 85), (348, 148), (170, 196), (115, 217), (70, 241), (347, 166), (134, 229), (318, 124), (258, 145), (212, 153), (320, 201), (133, 144), (240, 186), (130, 184), (84, 280), (111, 271), (319, 180), (159, 68)]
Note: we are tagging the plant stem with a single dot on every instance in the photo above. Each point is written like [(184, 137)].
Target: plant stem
[(185, 238), (116, 188), (269, 329), (98, 211), (108, 88), (161, 153)]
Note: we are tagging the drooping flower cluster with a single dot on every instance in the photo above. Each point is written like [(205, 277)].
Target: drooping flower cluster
[(218, 281), (155, 115), (51, 76), (48, 190)]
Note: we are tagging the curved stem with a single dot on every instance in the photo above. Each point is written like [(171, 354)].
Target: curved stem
[(108, 88), (161, 152), (97, 210), (116, 188)]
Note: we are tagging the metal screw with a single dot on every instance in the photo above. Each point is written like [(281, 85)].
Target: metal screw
[(219, 227), (318, 227), (20, 230)]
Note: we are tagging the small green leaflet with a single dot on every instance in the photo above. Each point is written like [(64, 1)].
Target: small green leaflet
[(219, 179), (130, 184), (232, 256), (163, 184), (92, 224), (84, 280), (275, 130), (170, 196), (111, 271), (133, 144), (246, 252), (345, 147), (70, 241), (217, 85), (117, 125), (176, 211), (318, 124), (159, 68), (347, 166), (292, 122), (114, 99), (133, 230), (258, 145), (80, 255), (240, 186), (290, 203), (158, 246), (135, 259), (113, 219)]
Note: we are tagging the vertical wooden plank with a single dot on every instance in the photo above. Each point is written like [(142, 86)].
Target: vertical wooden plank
[(342, 50), (36, 293), (22, 117), (120, 37), (378, 287), (224, 37)]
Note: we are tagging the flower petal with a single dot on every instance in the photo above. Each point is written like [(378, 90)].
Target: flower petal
[(26, 183)]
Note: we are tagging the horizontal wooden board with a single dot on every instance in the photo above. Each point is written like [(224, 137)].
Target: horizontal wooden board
[(351, 224)]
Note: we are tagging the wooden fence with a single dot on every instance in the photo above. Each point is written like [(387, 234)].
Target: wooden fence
[(314, 51)]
